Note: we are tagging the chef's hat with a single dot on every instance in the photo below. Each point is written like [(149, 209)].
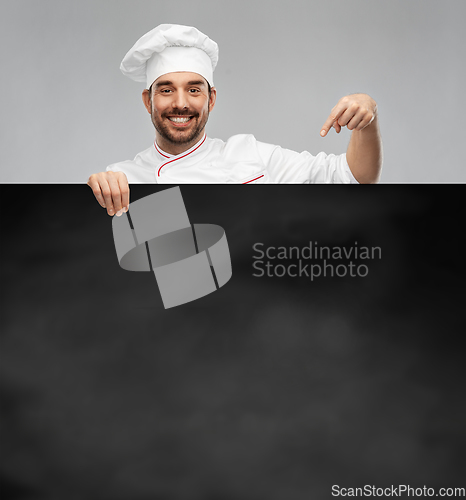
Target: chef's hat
[(169, 48)]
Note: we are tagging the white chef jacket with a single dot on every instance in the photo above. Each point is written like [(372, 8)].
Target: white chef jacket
[(241, 160)]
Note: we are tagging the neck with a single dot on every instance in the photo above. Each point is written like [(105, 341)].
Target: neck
[(173, 148)]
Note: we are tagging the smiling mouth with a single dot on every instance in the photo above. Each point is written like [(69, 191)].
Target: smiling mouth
[(180, 120)]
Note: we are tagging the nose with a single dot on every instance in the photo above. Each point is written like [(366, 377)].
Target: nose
[(180, 101)]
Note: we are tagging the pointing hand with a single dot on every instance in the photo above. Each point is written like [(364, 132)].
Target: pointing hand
[(355, 111)]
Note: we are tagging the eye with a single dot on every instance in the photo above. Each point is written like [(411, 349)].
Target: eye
[(194, 91)]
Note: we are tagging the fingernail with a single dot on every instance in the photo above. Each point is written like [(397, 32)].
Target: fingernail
[(322, 132), (119, 213), (110, 211)]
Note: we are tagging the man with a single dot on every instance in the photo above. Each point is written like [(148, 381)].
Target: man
[(177, 64)]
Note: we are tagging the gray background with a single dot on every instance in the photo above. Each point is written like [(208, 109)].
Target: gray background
[(67, 111)]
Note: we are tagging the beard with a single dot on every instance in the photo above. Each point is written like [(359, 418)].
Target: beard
[(179, 136)]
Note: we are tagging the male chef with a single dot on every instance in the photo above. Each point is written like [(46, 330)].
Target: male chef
[(176, 63)]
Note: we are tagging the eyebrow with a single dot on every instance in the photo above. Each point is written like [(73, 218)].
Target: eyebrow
[(196, 82), (168, 82), (162, 83)]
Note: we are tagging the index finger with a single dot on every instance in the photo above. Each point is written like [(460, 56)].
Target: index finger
[(337, 111), (93, 183)]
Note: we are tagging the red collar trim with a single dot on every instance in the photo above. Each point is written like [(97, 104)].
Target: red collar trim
[(178, 157), (160, 152)]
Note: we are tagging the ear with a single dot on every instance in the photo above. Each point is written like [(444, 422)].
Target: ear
[(146, 100), (213, 98)]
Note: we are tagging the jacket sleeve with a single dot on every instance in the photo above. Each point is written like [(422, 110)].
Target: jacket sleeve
[(287, 166)]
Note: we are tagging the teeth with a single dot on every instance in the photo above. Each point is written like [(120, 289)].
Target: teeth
[(180, 120)]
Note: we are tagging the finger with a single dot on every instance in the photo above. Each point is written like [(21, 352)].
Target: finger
[(337, 127), (334, 115), (115, 192), (95, 186), (354, 122), (124, 190), (107, 194), (367, 120), (349, 113)]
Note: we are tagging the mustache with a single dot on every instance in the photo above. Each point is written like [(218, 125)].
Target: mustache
[(181, 113)]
